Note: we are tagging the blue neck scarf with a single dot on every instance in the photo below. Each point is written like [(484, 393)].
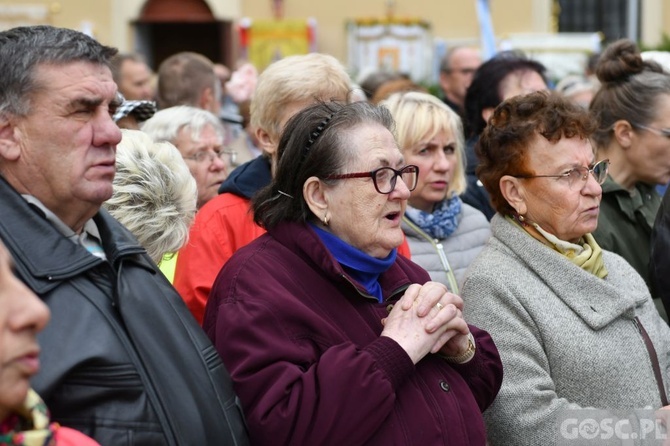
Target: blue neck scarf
[(442, 222), (364, 268)]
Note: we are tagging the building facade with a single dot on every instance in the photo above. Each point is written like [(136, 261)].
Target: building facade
[(158, 28)]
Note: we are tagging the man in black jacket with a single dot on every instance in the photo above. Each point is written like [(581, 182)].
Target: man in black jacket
[(122, 359)]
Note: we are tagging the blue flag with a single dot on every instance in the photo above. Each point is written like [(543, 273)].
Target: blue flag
[(486, 29)]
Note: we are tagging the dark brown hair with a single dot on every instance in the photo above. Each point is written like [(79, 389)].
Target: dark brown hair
[(315, 142), (484, 91)]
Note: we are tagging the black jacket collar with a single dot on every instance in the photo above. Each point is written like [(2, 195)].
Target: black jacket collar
[(43, 256)]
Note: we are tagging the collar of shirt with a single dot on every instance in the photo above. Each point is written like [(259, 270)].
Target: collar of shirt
[(89, 237)]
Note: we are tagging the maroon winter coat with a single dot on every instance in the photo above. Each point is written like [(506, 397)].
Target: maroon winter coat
[(301, 340)]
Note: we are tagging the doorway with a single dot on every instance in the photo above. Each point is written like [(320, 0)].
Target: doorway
[(166, 27)]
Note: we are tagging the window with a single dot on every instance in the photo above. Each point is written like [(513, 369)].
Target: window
[(615, 19)]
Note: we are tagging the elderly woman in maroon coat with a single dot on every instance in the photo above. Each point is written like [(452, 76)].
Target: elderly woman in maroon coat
[(329, 335)]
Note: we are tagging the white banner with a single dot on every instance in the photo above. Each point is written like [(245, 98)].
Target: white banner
[(405, 48)]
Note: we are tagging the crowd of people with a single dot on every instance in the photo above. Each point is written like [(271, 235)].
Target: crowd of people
[(205, 256)]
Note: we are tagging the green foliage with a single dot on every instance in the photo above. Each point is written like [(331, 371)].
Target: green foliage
[(433, 89)]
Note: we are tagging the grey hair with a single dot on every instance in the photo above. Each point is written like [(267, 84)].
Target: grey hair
[(154, 193), (445, 62), (634, 101), (23, 49), (166, 123)]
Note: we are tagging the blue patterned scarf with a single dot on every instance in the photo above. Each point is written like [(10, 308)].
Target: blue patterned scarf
[(442, 222)]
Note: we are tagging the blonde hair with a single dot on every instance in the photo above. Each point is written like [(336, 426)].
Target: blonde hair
[(421, 116), (154, 193), (308, 77)]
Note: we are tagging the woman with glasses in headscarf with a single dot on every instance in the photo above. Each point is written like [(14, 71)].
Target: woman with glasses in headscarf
[(575, 324), (332, 338), (632, 110)]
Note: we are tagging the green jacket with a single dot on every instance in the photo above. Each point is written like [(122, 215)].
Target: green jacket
[(625, 223)]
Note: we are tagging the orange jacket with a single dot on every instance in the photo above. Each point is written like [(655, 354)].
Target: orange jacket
[(221, 227)]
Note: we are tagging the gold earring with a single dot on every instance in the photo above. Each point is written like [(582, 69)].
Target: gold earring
[(325, 220)]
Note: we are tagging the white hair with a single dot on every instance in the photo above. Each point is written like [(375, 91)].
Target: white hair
[(154, 193), (166, 124)]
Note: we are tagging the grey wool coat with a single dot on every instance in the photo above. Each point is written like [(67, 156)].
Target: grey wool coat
[(458, 250), (568, 340)]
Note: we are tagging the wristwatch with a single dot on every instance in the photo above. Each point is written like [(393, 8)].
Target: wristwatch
[(464, 357)]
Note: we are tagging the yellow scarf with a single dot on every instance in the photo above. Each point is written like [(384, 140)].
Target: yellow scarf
[(586, 254)]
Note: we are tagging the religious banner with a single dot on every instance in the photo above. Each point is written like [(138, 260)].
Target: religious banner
[(393, 44), (265, 41)]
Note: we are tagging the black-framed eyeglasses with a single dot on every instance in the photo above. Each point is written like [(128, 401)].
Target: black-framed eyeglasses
[(228, 156), (385, 178), (660, 132), (573, 176)]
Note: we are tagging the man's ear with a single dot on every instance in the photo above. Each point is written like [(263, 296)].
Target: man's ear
[(623, 132), (514, 192), (10, 149), (444, 79), (208, 101), (316, 197)]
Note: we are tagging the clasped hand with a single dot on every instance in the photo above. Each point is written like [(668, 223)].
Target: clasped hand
[(428, 319)]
